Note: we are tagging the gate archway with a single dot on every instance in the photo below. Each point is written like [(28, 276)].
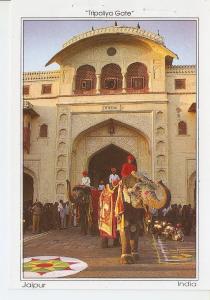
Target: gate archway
[(30, 185), (100, 137), (100, 164), (28, 188)]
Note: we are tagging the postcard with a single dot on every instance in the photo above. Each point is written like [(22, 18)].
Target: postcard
[(106, 105)]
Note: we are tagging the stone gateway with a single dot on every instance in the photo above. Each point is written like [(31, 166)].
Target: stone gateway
[(116, 93)]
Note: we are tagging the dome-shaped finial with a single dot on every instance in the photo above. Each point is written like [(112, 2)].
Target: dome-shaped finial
[(138, 26), (115, 23)]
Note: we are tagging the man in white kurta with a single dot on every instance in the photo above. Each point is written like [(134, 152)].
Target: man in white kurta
[(85, 179), (113, 176)]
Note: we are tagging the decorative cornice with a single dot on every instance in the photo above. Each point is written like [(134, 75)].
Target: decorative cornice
[(44, 75), (181, 69), (134, 32), (117, 29)]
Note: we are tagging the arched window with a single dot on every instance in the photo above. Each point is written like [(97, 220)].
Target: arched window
[(85, 79), (43, 130), (137, 77), (111, 78), (182, 128)]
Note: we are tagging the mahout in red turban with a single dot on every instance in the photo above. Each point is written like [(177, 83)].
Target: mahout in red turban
[(129, 167), (85, 173), (130, 157)]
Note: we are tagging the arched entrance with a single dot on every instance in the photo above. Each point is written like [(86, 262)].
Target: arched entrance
[(28, 188), (28, 196), (102, 161), (113, 140)]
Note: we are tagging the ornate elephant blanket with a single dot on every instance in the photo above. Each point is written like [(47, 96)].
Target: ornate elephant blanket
[(95, 194), (107, 220)]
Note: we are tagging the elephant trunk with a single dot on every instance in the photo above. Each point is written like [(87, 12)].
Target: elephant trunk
[(153, 201)]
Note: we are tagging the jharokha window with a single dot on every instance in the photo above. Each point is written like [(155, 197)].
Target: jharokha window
[(137, 83), (137, 77), (110, 83), (85, 82), (43, 132), (111, 79), (46, 88), (180, 84), (26, 90), (182, 128)]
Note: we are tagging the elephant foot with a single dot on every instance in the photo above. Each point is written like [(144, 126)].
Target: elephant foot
[(116, 243), (104, 243), (135, 255), (127, 259)]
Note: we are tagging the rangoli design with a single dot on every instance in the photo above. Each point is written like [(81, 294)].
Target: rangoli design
[(51, 266)]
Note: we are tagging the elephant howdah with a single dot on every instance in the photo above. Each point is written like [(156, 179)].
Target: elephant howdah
[(135, 196)]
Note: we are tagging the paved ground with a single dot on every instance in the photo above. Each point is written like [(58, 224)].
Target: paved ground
[(158, 259)]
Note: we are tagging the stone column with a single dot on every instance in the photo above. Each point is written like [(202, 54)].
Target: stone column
[(74, 84), (149, 81), (124, 83), (98, 83)]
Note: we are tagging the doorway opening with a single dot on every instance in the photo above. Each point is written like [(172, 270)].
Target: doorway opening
[(28, 197), (101, 163)]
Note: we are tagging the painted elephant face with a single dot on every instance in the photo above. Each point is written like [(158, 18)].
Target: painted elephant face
[(136, 198), (80, 195), (146, 192), (139, 191)]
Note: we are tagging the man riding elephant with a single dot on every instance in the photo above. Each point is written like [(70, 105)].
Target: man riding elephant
[(86, 200), (128, 167), (135, 194)]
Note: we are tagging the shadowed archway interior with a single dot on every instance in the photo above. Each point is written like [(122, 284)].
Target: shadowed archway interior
[(28, 188), (101, 163)]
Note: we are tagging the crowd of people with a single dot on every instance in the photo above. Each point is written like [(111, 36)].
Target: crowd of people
[(178, 214), (44, 217), (62, 215)]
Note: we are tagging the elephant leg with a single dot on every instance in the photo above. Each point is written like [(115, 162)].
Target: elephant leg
[(104, 242), (83, 224), (126, 257), (116, 242), (82, 227), (134, 241)]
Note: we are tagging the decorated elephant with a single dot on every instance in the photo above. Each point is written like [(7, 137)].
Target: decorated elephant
[(135, 196), (86, 199)]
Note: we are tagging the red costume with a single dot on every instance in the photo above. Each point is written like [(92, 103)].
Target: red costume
[(129, 167), (107, 219), (95, 195)]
